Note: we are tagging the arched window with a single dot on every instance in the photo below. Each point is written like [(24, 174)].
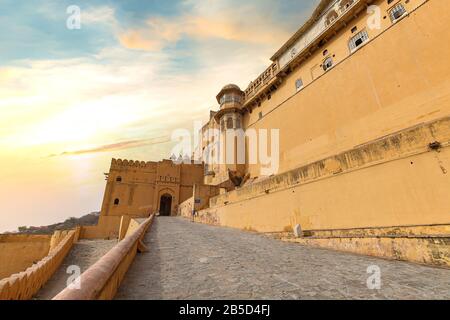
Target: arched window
[(345, 4), (238, 124), (119, 179), (230, 123), (116, 202), (331, 17), (327, 64)]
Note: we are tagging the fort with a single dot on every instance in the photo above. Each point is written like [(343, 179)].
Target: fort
[(363, 116)]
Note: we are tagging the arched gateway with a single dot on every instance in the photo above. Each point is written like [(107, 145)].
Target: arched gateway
[(165, 205)]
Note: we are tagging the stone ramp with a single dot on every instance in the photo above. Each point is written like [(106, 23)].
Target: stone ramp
[(83, 254), (194, 261)]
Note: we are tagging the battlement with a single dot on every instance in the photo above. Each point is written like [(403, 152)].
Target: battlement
[(119, 163)]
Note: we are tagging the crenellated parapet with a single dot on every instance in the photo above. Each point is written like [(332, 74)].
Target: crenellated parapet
[(122, 164)]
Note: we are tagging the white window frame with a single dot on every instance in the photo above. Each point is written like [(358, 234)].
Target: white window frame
[(363, 35), (398, 6)]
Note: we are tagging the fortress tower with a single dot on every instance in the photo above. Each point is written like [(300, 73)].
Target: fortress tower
[(229, 117)]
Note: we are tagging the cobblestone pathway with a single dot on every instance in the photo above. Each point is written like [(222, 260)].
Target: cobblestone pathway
[(195, 261), (83, 254)]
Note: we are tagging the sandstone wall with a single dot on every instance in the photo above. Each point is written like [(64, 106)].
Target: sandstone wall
[(400, 180), (398, 80), (18, 252)]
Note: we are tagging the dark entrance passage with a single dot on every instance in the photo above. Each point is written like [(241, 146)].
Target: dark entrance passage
[(165, 205)]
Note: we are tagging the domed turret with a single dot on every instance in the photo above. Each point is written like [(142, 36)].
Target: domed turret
[(231, 96)]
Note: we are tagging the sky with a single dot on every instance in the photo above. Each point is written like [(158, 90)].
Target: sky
[(136, 70)]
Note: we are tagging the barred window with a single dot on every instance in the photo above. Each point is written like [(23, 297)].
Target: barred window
[(227, 98), (359, 39), (397, 12)]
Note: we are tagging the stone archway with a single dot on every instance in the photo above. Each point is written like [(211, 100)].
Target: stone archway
[(165, 205)]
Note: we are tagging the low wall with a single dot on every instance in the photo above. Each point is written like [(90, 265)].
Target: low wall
[(203, 195), (185, 209), (24, 285), (18, 252), (108, 227), (399, 180), (429, 250), (101, 281), (200, 200)]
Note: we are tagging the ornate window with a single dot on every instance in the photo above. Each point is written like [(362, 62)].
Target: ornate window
[(327, 64), (358, 40), (230, 123), (397, 12), (230, 97), (331, 17), (345, 4)]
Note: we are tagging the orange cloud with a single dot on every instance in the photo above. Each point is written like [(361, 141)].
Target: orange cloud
[(115, 146), (162, 31), (136, 40)]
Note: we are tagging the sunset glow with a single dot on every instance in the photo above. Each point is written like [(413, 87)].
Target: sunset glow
[(70, 100)]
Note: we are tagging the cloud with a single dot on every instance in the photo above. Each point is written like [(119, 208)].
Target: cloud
[(115, 147), (99, 15), (203, 21), (137, 40)]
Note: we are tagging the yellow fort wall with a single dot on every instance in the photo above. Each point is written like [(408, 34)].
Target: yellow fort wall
[(24, 284), (18, 252), (138, 188), (107, 228), (388, 198), (395, 181), (397, 80)]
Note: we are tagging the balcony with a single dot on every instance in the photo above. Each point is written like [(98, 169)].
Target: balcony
[(261, 81)]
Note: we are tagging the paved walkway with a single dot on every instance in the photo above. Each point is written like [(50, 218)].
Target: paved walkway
[(195, 261), (83, 254)]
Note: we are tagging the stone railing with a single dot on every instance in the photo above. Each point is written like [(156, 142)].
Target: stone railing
[(261, 81), (24, 285), (101, 281)]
